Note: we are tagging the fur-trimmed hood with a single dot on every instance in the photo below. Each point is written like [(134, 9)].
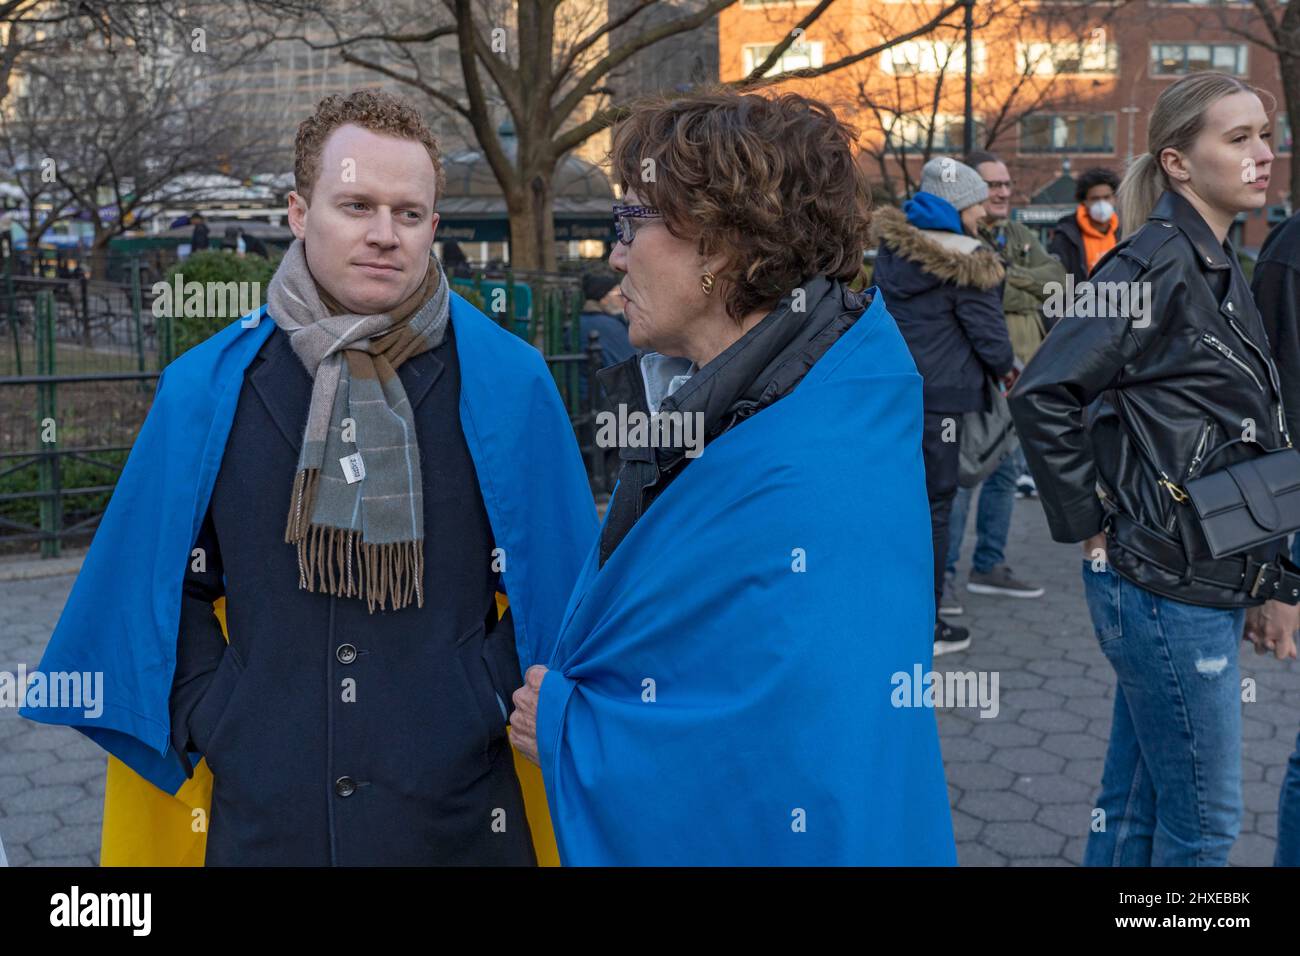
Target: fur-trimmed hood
[(947, 256)]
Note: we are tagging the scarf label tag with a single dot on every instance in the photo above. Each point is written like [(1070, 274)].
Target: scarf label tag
[(353, 469)]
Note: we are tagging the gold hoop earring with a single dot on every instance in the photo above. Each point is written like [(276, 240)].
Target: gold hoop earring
[(706, 282)]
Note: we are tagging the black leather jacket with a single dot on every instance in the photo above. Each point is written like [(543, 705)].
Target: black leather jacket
[(1114, 409)]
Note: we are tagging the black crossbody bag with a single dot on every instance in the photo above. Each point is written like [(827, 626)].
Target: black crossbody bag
[(1241, 506), (1249, 503)]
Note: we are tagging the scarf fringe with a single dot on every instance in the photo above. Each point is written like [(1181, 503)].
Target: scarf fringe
[(393, 571)]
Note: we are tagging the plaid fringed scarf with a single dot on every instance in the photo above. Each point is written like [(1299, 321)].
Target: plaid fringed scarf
[(356, 511)]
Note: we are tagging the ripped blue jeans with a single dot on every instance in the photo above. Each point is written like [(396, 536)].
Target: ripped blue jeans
[(1171, 787)]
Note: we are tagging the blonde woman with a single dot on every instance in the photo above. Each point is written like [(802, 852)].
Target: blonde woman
[(1117, 413)]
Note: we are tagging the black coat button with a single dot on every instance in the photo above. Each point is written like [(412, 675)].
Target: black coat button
[(345, 786), (346, 654)]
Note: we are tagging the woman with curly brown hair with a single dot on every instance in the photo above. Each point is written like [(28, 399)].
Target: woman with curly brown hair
[(733, 680)]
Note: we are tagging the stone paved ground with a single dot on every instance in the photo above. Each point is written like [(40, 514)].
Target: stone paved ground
[(51, 778), (1022, 784)]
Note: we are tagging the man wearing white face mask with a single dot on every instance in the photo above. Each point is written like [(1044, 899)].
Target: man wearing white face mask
[(1092, 229)]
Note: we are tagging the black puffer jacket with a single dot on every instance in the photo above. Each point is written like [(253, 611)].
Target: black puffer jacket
[(1125, 405), (945, 292)]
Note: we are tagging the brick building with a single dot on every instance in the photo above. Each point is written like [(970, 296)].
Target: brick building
[(1058, 87)]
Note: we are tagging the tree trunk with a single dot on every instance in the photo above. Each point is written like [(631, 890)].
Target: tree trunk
[(99, 252), (532, 225), (525, 251)]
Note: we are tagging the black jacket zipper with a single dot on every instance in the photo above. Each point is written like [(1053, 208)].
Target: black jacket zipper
[(1231, 356), (1191, 469), (1272, 376)]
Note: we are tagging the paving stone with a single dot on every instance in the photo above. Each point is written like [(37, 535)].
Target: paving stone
[(13, 783), (1074, 850), (1088, 771), (41, 738), (991, 805), (1018, 680), (1040, 861), (18, 854), (1033, 699), (1252, 849), (69, 840), (1252, 729), (1053, 721), (18, 829), (1091, 706), (1000, 733), (965, 827), (24, 762), (1075, 687), (977, 854), (1022, 839), (979, 776), (1055, 668), (1074, 746), (40, 799), (1028, 760), (63, 861), (1054, 788), (965, 748), (1259, 797), (1067, 819), (1252, 771), (69, 771), (88, 809)]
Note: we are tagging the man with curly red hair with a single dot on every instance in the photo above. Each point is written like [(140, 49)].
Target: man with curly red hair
[(355, 471)]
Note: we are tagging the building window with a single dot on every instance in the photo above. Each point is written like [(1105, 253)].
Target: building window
[(1068, 133), (1175, 59), (916, 57), (800, 55), (1067, 57), (911, 132), (1282, 142)]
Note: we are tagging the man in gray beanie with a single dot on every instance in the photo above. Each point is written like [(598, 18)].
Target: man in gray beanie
[(943, 286)]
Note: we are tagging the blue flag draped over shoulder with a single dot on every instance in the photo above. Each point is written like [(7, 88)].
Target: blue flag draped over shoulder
[(123, 614), (723, 689)]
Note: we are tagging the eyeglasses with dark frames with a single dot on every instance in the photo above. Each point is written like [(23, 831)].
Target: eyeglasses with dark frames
[(624, 217)]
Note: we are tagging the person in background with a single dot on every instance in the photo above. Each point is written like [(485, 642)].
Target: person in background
[(602, 313), (454, 259), (1276, 288), (1085, 235), (254, 245), (944, 288), (1030, 270), (198, 238), (1116, 417), (233, 241)]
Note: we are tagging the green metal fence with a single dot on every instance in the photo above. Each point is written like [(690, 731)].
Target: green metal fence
[(79, 362)]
